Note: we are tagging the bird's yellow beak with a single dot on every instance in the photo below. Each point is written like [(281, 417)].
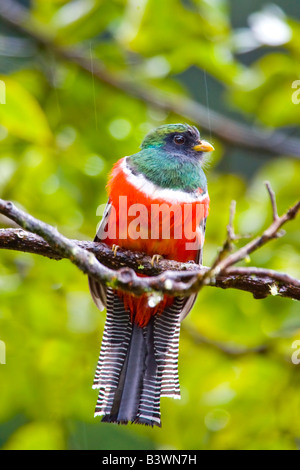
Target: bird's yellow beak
[(203, 146)]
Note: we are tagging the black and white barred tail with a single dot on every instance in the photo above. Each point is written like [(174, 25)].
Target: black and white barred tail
[(137, 366)]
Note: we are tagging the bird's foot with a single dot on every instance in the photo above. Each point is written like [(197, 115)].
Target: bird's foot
[(115, 249), (155, 259)]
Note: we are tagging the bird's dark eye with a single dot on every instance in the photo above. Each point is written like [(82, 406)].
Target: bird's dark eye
[(179, 139)]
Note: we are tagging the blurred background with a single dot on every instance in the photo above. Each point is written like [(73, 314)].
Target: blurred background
[(61, 130)]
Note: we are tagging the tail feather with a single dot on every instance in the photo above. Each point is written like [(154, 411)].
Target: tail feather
[(115, 342), (166, 335), (149, 400), (126, 400), (137, 365)]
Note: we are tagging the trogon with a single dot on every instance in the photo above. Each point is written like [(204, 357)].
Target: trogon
[(157, 204)]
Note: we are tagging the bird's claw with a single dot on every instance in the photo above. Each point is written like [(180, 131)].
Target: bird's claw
[(155, 259), (115, 249)]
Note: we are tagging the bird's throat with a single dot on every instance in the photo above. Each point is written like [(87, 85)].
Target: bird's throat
[(168, 171)]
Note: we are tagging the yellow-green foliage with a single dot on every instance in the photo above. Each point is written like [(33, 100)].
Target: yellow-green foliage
[(61, 131)]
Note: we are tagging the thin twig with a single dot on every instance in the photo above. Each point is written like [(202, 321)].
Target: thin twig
[(273, 200), (230, 229), (228, 349), (228, 244), (272, 232)]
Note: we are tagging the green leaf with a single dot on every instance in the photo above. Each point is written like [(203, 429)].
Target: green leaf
[(22, 115)]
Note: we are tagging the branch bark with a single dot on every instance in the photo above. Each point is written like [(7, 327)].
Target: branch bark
[(229, 131)]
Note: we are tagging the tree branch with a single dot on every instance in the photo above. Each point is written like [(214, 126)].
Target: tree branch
[(167, 277), (228, 349), (272, 232), (226, 129)]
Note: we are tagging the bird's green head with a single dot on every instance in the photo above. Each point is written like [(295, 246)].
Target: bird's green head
[(177, 139), (171, 157)]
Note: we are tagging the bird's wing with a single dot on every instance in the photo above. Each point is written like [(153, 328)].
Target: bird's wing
[(98, 290), (188, 305)]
